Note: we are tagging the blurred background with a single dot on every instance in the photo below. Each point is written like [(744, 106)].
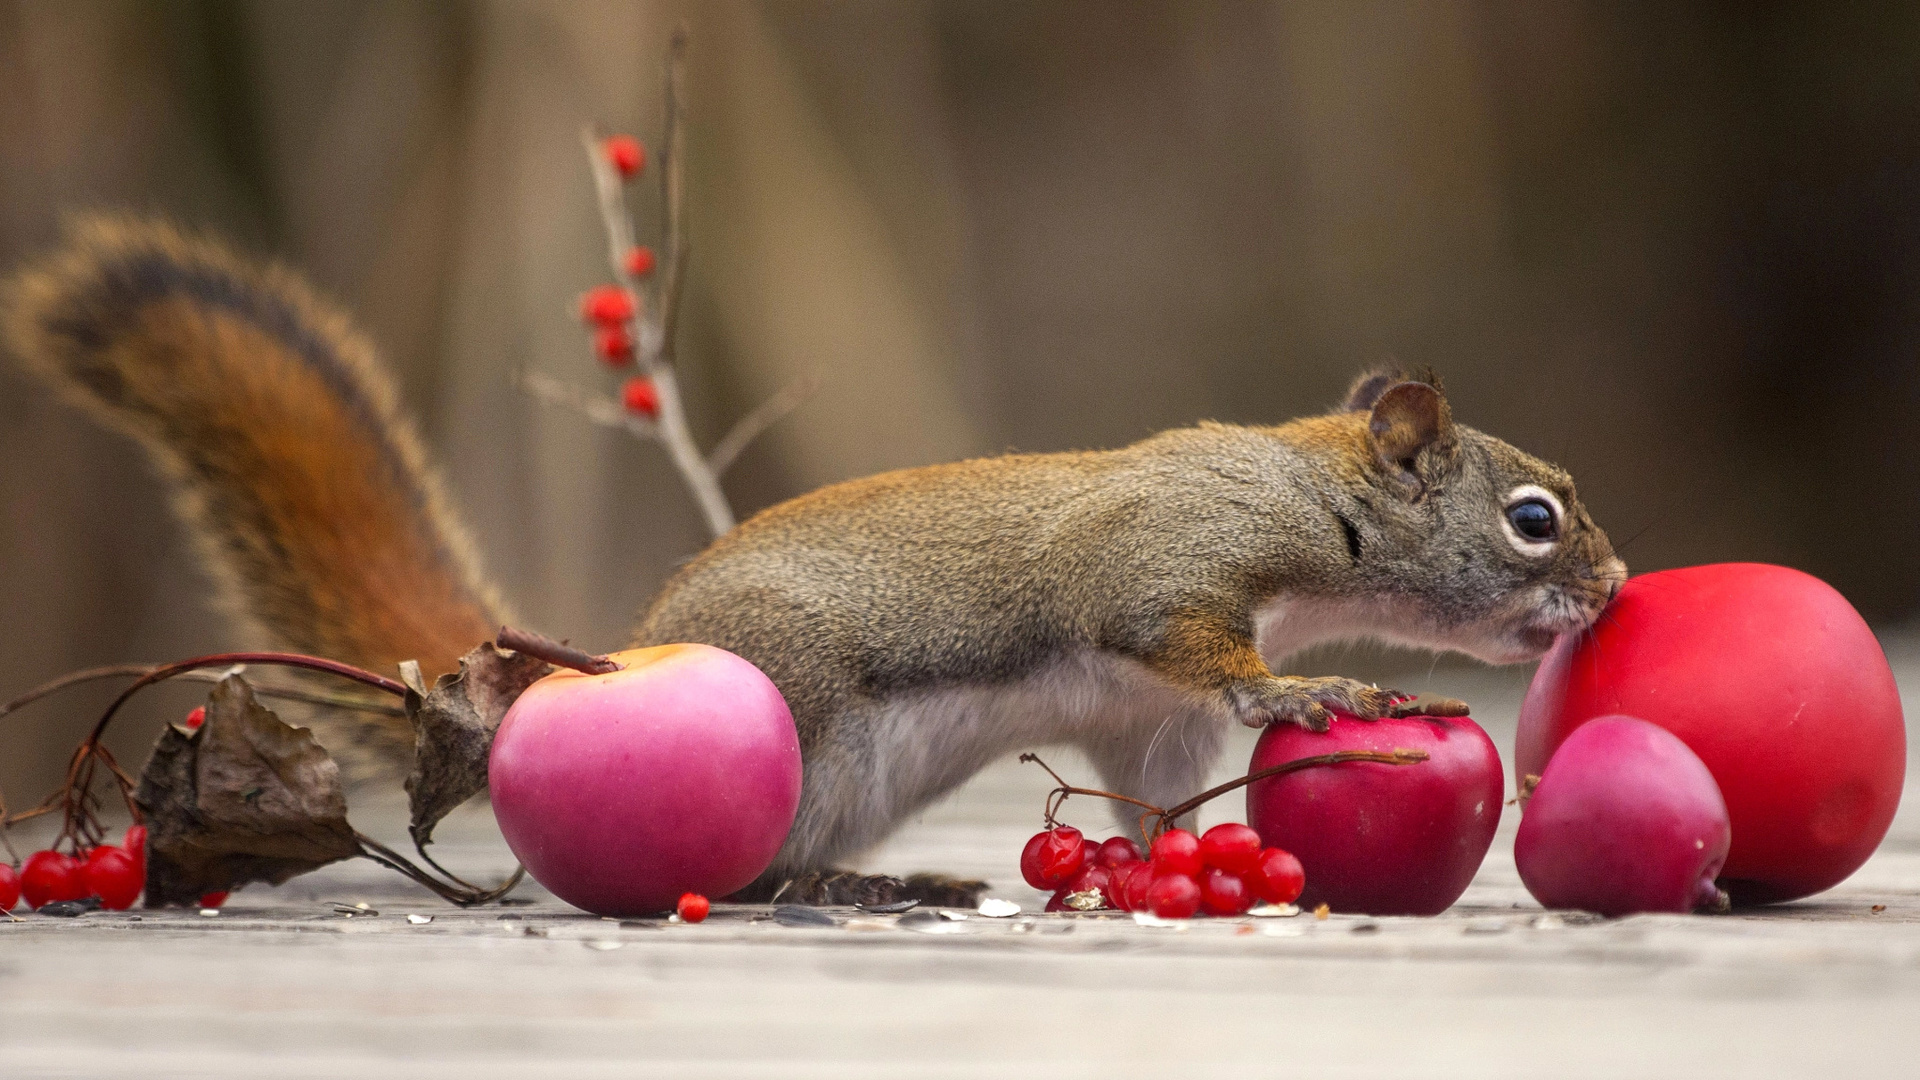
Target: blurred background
[(1675, 247)]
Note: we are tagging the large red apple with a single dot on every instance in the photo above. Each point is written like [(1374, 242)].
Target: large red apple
[(1772, 678), (619, 792), (1379, 839)]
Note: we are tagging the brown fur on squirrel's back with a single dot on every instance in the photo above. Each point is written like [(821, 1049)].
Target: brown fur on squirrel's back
[(302, 483)]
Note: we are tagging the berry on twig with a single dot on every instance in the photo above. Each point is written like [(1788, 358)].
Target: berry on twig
[(607, 305), (626, 155), (639, 261), (613, 345), (639, 396)]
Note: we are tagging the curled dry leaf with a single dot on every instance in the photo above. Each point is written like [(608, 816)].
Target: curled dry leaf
[(453, 727), (244, 797)]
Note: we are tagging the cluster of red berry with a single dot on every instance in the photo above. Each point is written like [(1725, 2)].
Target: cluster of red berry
[(1224, 872), (609, 309), (112, 874)]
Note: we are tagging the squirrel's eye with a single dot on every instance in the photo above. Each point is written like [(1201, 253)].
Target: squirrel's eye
[(1533, 519)]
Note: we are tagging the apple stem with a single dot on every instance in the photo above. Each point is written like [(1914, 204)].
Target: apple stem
[(554, 652)]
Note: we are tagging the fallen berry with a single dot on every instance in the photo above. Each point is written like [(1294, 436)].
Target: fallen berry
[(49, 877), (692, 907), (1231, 846), (1051, 858), (195, 718), (639, 261), (1277, 877), (135, 844), (111, 874), (1092, 878), (1118, 851), (625, 154), (613, 345), (606, 305), (1177, 851), (1174, 896), (1222, 892), (1133, 887), (638, 396)]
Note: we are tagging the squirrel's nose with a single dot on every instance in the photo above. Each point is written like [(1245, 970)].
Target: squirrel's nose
[(1614, 573)]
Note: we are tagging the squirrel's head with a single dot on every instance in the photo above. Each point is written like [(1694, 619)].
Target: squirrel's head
[(1487, 548)]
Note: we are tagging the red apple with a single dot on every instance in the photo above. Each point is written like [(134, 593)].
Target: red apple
[(1380, 839), (679, 773), (1625, 819), (1772, 678)]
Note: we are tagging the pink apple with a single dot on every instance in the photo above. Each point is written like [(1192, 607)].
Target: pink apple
[(679, 773), (1772, 678), (1624, 819), (1380, 839)]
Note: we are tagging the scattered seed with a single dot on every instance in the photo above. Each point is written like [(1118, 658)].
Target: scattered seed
[(898, 907), (1485, 926), (1366, 928), (419, 920), (602, 944), (1274, 911), (998, 909), (1878, 908), (1322, 912), (508, 917), (796, 915), (209, 912)]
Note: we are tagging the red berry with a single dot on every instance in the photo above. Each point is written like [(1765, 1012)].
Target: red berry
[(1093, 877), (213, 899), (1231, 846), (614, 345), (1130, 884), (1174, 896), (1177, 851), (111, 875), (1118, 851), (49, 876), (9, 887), (607, 305), (136, 846), (692, 907), (1058, 901), (639, 396), (195, 718), (1052, 857), (1277, 878), (626, 154), (1223, 893), (639, 261)]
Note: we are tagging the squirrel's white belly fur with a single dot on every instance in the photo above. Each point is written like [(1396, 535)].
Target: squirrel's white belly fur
[(1149, 738)]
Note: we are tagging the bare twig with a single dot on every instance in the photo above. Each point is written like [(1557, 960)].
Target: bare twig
[(749, 427), (673, 192)]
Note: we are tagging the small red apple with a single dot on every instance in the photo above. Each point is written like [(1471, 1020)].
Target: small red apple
[(1379, 839), (1625, 819), (619, 792), (1772, 678)]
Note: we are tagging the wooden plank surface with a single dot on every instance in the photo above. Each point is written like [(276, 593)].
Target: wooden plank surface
[(279, 984)]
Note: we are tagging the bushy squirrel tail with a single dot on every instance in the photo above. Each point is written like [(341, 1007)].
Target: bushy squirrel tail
[(295, 469)]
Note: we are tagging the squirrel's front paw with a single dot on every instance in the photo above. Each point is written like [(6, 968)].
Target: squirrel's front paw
[(1308, 702)]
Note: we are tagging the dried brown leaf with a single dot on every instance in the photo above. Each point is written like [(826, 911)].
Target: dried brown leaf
[(453, 728), (245, 797)]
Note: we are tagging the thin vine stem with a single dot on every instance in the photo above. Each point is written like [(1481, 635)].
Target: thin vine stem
[(1161, 817), (467, 897)]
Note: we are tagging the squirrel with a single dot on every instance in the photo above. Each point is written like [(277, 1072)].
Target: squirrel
[(920, 623)]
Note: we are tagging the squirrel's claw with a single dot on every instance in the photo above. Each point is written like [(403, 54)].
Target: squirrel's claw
[(1309, 703)]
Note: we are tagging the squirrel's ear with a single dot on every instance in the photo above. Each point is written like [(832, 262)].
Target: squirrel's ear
[(1367, 389), (1409, 419)]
